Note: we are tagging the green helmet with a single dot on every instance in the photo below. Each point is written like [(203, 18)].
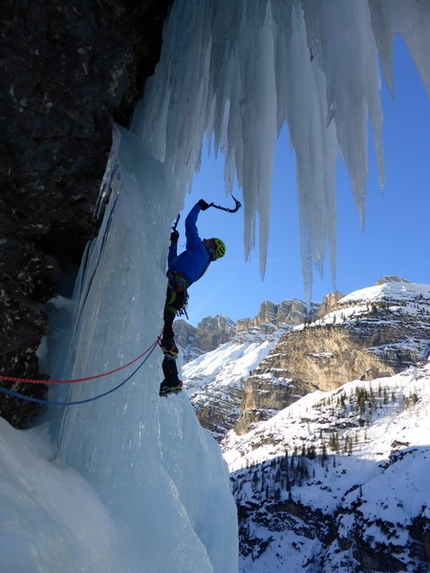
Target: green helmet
[(220, 249)]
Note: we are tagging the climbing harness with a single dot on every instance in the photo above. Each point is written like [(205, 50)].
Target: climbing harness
[(147, 352), (177, 281), (178, 285)]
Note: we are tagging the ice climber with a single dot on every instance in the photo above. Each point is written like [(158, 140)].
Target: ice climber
[(184, 270)]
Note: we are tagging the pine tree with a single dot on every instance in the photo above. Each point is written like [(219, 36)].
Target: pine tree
[(334, 441), (324, 453)]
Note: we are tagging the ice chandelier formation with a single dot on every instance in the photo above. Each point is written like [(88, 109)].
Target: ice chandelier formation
[(238, 70)]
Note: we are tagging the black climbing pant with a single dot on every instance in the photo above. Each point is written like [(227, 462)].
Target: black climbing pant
[(175, 301)]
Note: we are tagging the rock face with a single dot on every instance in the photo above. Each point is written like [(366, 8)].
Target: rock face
[(68, 69), (213, 332), (292, 311), (210, 333), (329, 303), (357, 340), (217, 401)]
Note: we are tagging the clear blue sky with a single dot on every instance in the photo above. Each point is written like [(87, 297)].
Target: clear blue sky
[(396, 237)]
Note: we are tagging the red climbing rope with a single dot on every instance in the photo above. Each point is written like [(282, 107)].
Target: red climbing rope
[(32, 381)]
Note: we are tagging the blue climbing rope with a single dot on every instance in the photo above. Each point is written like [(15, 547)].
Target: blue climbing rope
[(76, 402)]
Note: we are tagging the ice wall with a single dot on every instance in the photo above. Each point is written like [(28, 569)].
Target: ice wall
[(234, 71), (161, 476)]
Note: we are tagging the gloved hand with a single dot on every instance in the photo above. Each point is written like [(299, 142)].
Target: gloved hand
[(203, 205), (174, 236)]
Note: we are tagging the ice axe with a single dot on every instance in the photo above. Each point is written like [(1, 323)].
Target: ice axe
[(228, 209), (175, 222), (234, 209)]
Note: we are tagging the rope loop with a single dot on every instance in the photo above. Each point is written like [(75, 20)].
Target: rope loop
[(148, 353), (72, 381)]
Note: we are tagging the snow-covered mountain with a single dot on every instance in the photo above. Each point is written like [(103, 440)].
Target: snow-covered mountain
[(211, 332), (215, 380), (373, 332), (339, 479)]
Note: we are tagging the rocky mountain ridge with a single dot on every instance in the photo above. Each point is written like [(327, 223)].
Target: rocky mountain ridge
[(211, 332), (218, 409), (335, 479), (370, 333), (270, 315), (379, 334)]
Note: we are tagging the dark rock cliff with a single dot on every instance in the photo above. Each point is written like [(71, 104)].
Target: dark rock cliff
[(67, 70)]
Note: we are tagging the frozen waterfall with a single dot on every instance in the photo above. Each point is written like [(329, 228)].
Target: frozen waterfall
[(160, 474), (234, 72)]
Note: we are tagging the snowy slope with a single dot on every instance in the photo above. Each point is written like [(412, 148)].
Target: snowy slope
[(231, 362), (356, 488), (400, 296), (50, 518), (215, 380), (396, 408), (402, 291), (339, 480)]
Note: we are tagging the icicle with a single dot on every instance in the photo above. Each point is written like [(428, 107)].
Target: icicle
[(237, 71), (411, 21), (233, 71)]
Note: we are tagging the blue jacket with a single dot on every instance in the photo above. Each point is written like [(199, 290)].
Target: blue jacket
[(194, 261)]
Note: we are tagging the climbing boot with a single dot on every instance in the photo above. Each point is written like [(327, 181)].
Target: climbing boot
[(170, 387)]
